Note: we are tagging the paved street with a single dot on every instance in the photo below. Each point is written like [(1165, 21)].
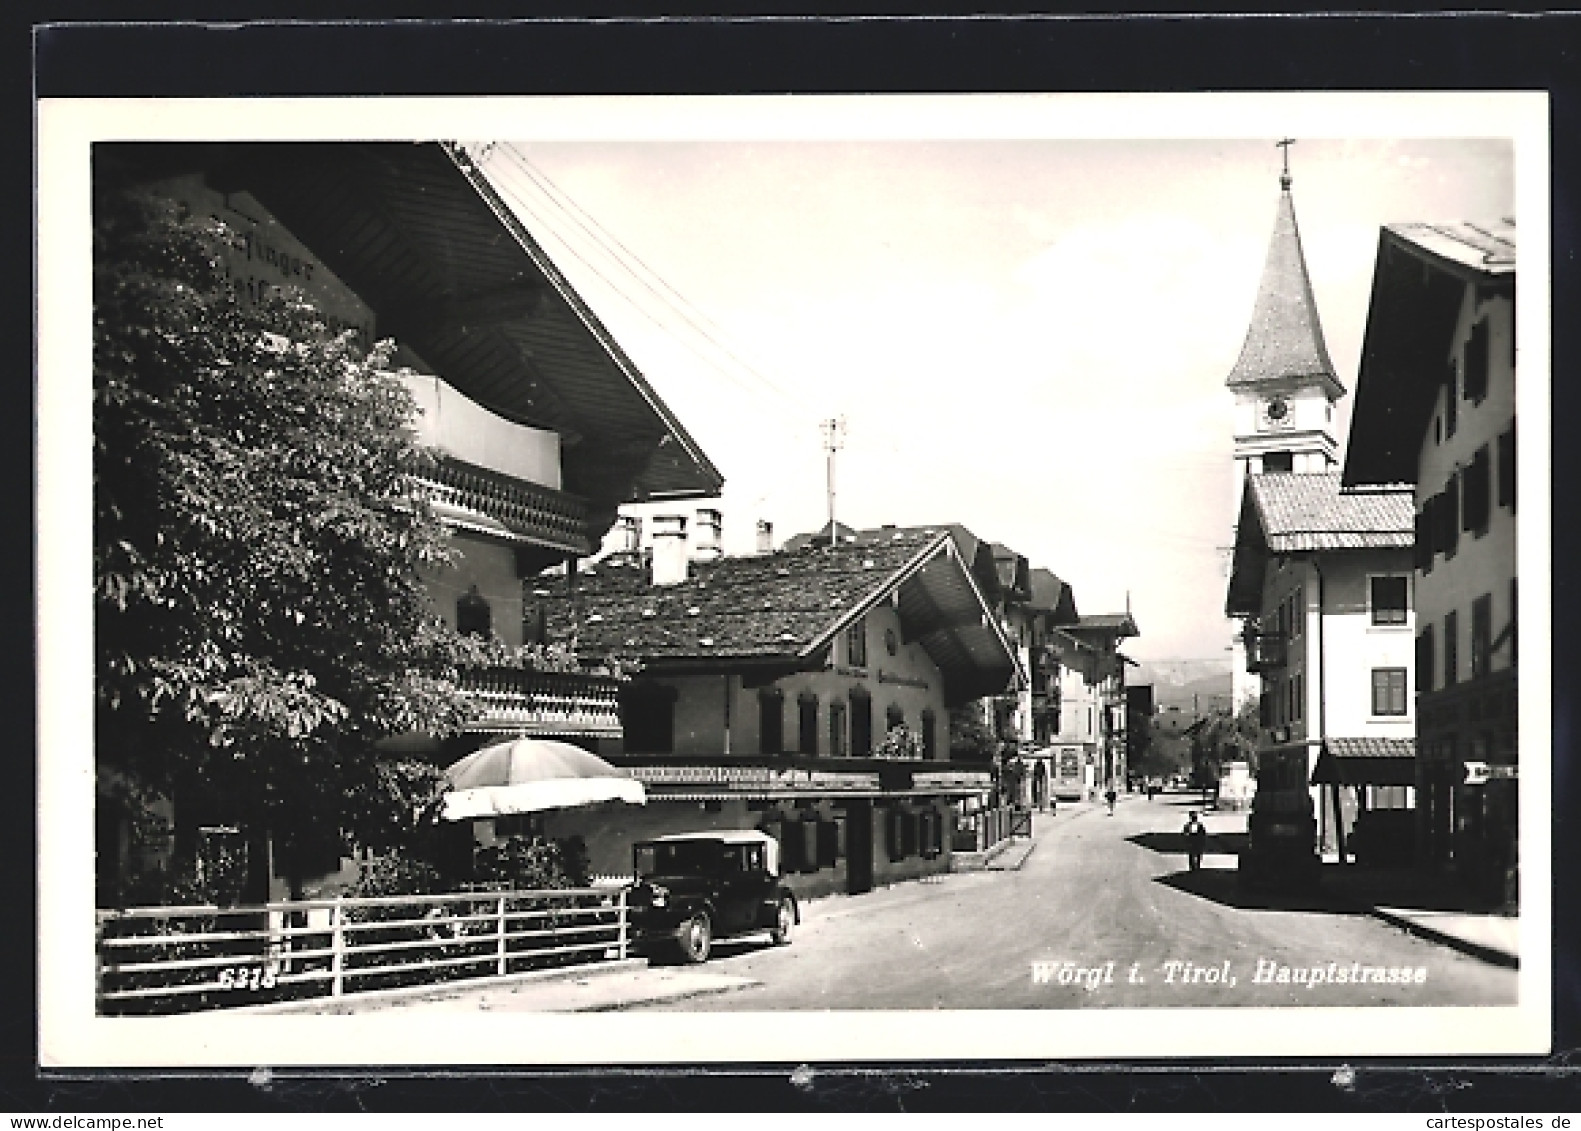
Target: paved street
[(1096, 890)]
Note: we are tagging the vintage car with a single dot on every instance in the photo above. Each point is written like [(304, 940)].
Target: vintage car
[(692, 888)]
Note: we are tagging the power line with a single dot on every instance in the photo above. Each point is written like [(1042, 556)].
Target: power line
[(685, 308), (571, 249)]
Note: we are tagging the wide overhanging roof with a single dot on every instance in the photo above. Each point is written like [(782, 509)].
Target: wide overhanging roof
[(941, 608), (1419, 280), (452, 275)]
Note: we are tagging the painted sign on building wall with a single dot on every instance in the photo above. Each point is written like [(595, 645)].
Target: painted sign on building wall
[(264, 257)]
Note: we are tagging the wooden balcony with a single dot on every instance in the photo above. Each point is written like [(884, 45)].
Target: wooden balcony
[(544, 704)]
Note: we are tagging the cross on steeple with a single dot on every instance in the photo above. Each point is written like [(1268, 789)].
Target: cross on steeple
[(1284, 177)]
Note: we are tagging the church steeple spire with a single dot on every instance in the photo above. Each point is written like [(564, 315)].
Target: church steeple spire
[(1284, 344)]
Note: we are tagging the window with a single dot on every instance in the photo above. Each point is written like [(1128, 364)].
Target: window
[(1390, 599), (1478, 489), (807, 724), (1278, 461), (771, 721), (861, 723), (1481, 634), (1388, 691), (647, 716), (1476, 355), (1451, 401), (1514, 620), (894, 717), (472, 614), (856, 645), (1424, 660), (837, 747), (1507, 468), (1422, 538), (1449, 517), (1451, 653), (1298, 683), (1298, 610), (930, 738)]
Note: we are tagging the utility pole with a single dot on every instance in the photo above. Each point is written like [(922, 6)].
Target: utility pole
[(833, 440)]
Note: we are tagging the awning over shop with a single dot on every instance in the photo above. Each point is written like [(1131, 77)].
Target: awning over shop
[(1366, 761)]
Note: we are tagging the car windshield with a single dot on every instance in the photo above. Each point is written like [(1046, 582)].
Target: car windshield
[(679, 858)]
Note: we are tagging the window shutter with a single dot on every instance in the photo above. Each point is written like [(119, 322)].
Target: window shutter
[(1507, 468), (1476, 381), (1475, 486), (1451, 517)]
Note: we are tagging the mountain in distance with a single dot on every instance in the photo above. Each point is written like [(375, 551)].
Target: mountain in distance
[(1187, 684)]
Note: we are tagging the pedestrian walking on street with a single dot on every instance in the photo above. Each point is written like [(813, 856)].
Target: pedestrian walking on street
[(1196, 840), (1109, 797)]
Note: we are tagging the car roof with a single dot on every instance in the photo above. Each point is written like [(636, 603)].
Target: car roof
[(728, 836)]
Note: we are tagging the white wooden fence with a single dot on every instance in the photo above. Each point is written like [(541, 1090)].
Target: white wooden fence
[(177, 959)]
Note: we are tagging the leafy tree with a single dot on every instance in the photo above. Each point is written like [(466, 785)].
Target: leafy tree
[(258, 545), (1225, 737), (971, 738)]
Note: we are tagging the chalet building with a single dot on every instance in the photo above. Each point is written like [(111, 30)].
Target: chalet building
[(804, 691), (1320, 579), (544, 424), (1435, 409), (1096, 710)]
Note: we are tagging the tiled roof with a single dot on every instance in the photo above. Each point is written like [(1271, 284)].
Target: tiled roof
[(1366, 761), (1372, 747), (843, 533), (1308, 511), (1489, 248), (1284, 341), (762, 606), (1115, 623), (1051, 594)]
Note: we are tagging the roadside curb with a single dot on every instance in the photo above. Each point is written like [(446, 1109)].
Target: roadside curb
[(994, 865), (1489, 954)]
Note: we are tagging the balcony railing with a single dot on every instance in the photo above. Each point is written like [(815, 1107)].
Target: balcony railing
[(545, 703)]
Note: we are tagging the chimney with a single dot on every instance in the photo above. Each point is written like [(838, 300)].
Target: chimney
[(629, 528), (765, 536), (710, 532), (669, 549)]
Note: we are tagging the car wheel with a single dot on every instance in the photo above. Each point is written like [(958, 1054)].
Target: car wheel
[(784, 920), (697, 938)]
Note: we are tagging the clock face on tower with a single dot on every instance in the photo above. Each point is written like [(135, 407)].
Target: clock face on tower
[(1276, 412)]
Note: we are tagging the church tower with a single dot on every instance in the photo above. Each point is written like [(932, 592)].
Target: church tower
[(1284, 383)]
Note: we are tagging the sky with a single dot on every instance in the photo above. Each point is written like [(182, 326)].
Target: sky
[(1029, 337)]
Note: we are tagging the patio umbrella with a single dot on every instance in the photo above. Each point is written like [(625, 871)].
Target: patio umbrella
[(530, 775)]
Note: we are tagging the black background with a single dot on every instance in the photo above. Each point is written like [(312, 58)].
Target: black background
[(60, 50)]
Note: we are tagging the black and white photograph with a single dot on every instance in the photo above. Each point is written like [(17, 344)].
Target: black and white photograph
[(684, 580)]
